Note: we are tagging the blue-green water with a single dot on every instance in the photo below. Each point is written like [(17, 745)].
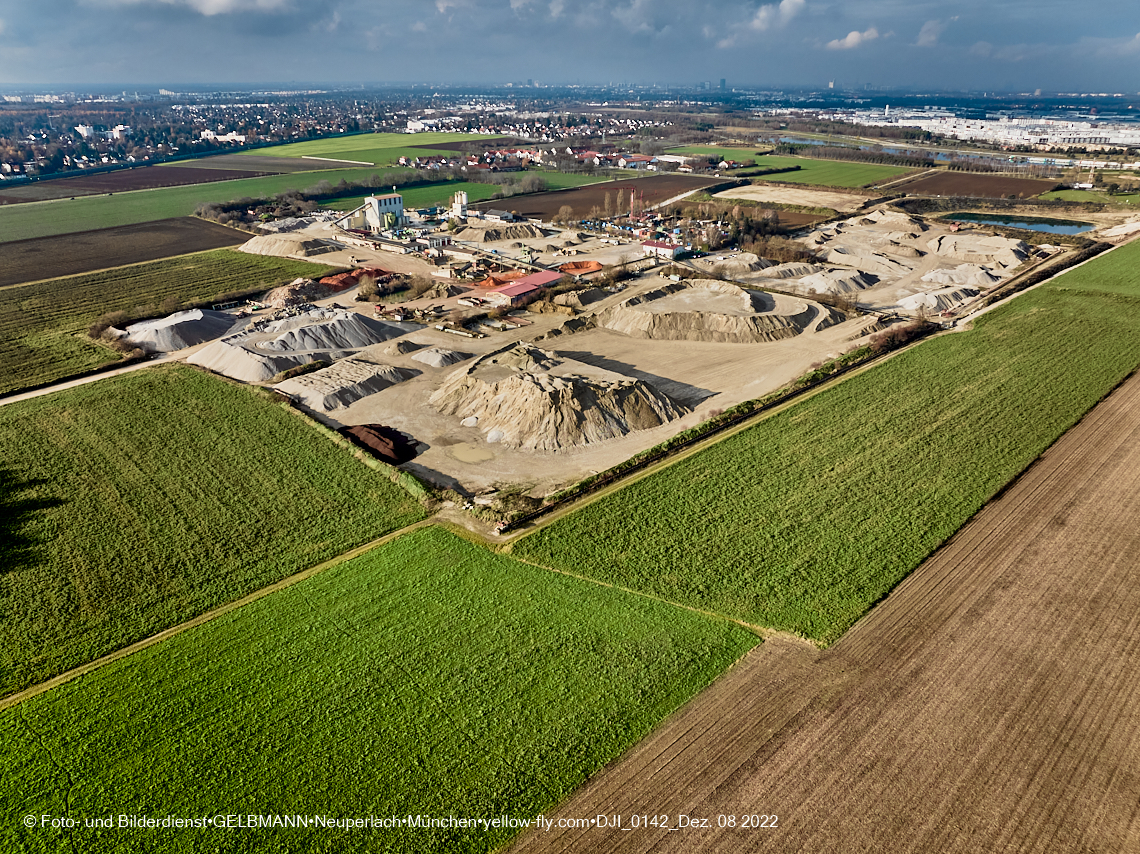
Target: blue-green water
[(1050, 226)]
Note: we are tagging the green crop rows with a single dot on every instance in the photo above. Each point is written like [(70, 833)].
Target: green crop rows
[(807, 519), (426, 677), (134, 503), (379, 148), (64, 216), (43, 325), (825, 173)]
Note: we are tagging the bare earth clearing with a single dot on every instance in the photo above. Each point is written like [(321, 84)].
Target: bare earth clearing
[(138, 178), (784, 194), (650, 191), (87, 251), (970, 184), (988, 704)]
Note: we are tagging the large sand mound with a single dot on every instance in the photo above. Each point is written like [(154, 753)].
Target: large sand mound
[(745, 262), (791, 270), (963, 274), (939, 300), (704, 310), (270, 346), (534, 399), (323, 329), (479, 234), (436, 357), (399, 348), (231, 358), (283, 245), (980, 249), (343, 383), (179, 330), (834, 282)]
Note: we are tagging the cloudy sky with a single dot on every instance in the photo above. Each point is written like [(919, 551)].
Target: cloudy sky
[(1005, 45)]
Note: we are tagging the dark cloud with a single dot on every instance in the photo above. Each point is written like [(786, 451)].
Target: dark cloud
[(1017, 44)]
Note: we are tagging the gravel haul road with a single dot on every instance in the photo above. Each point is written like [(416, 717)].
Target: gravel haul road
[(990, 703)]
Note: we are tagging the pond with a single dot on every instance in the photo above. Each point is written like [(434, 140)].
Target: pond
[(1050, 226)]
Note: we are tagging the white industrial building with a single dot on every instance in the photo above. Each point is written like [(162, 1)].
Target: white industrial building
[(376, 214)]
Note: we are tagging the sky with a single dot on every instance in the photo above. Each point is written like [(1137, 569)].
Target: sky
[(999, 45)]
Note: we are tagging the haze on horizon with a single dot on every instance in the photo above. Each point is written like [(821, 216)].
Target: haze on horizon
[(1020, 45)]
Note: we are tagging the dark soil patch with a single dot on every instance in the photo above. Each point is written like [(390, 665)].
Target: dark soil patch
[(650, 191), (982, 186), (382, 442), (139, 178), (86, 251)]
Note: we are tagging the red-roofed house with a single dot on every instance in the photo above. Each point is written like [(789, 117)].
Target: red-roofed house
[(661, 249)]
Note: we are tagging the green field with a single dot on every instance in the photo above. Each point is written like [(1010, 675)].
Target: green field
[(43, 325), (1075, 196), (825, 173), (441, 193), (382, 149), (426, 677), (807, 519), (138, 501), (64, 216), (422, 197)]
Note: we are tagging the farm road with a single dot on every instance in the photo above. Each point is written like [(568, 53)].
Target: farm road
[(990, 703)]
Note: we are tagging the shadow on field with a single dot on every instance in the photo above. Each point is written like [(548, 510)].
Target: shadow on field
[(17, 548)]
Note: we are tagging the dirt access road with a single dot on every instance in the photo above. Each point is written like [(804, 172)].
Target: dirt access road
[(990, 704)]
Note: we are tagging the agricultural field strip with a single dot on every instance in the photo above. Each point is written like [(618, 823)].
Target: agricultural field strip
[(958, 609), (201, 619), (502, 704), (122, 532), (560, 555), (41, 335), (63, 216)]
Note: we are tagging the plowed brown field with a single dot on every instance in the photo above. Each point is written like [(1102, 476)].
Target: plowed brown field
[(990, 704), (975, 185), (87, 251), (139, 178), (650, 191)]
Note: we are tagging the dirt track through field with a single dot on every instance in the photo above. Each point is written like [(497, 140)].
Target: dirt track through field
[(990, 703)]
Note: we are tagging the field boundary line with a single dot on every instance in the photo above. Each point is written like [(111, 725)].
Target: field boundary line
[(764, 632), (206, 617), (701, 444), (238, 234)]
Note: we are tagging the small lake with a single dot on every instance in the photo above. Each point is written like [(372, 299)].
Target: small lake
[(1049, 226)]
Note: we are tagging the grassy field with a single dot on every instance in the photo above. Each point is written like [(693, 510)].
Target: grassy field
[(426, 677), (825, 173), (136, 502), (807, 519), (441, 193), (1075, 196), (63, 216), (43, 325), (380, 148), (421, 197)]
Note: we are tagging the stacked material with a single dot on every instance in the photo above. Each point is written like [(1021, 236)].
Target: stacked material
[(963, 274), (834, 282), (179, 330), (268, 347), (325, 329), (382, 442), (436, 357), (937, 301), (476, 234), (284, 245), (342, 383), (535, 399), (704, 310)]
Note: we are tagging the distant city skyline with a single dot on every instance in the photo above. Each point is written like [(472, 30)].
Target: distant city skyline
[(1007, 47)]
